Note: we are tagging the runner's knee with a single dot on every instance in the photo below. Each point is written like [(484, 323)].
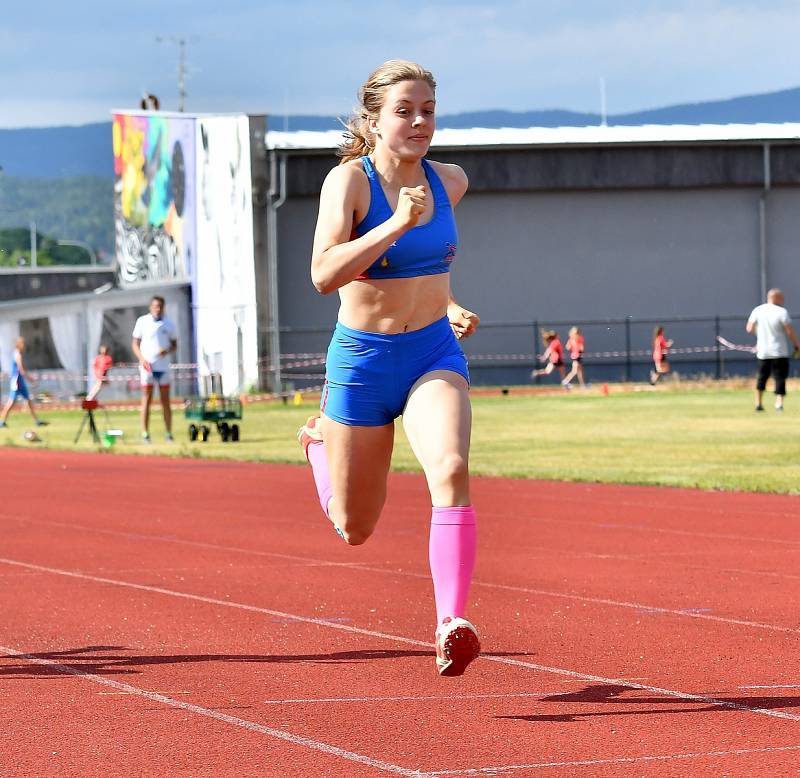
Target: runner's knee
[(450, 471), (355, 527), (354, 533), (356, 536)]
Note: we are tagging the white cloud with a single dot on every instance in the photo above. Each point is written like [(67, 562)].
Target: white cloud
[(313, 56)]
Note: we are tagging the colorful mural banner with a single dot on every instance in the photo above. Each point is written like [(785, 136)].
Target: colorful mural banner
[(154, 197)]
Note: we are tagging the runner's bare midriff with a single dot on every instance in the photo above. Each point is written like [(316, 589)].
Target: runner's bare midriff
[(394, 305)]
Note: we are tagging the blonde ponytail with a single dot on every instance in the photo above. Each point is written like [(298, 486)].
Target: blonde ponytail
[(359, 141)]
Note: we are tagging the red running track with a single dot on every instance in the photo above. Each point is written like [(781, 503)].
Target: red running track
[(193, 618)]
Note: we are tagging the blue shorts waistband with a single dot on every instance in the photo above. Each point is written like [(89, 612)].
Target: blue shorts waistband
[(399, 337)]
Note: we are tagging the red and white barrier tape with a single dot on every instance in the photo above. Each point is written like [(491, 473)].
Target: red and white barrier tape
[(189, 371)]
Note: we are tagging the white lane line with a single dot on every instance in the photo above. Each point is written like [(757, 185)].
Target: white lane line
[(414, 698), (122, 694), (323, 562), (178, 541), (642, 608), (252, 726), (617, 760), (733, 570), (598, 525), (642, 687), (615, 502), (408, 641), (658, 530), (637, 606)]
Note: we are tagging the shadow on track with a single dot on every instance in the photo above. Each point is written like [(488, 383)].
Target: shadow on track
[(93, 660), (613, 695)]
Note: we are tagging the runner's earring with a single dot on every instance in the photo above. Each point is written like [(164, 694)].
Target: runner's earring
[(372, 126)]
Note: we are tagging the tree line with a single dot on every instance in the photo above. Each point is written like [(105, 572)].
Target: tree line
[(78, 209)]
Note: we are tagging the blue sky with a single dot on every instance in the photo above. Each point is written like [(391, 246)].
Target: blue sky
[(70, 63)]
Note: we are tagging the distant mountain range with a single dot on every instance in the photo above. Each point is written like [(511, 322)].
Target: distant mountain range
[(55, 152)]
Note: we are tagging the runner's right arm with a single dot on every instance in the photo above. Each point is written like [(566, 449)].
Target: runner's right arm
[(337, 258)]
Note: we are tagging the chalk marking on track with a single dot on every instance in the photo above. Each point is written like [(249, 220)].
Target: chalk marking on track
[(594, 495), (323, 562), (715, 570), (297, 740), (408, 641), (640, 607), (659, 530), (597, 493), (122, 694), (579, 522), (179, 541), (413, 698), (616, 760)]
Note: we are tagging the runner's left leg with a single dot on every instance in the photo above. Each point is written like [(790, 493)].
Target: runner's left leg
[(438, 422)]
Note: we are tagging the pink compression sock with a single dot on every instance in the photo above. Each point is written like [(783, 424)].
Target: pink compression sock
[(319, 467), (452, 550)]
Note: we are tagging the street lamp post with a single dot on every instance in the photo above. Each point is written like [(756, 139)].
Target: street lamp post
[(181, 66), (32, 225)]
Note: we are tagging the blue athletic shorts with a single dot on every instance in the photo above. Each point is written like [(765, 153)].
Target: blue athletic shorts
[(18, 388), (369, 375)]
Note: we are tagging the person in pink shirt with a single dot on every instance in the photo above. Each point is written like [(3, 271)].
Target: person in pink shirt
[(100, 366), (661, 347), (575, 345), (553, 355)]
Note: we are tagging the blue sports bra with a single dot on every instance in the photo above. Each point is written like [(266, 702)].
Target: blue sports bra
[(424, 250)]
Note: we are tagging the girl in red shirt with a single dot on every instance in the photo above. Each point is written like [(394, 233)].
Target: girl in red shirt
[(101, 365), (575, 346), (661, 347), (553, 355)]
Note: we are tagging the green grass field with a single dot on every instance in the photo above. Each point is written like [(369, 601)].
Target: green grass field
[(686, 436)]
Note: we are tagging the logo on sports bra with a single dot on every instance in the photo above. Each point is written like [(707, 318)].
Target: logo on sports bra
[(451, 253), (385, 262)]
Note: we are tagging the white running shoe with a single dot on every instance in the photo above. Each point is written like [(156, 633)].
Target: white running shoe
[(457, 644)]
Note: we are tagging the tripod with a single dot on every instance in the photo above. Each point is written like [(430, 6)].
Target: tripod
[(89, 407)]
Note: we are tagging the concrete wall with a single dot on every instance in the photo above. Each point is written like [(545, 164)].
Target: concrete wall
[(646, 233), (783, 242)]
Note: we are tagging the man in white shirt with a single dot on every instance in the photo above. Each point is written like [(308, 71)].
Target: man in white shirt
[(154, 339), (771, 325)]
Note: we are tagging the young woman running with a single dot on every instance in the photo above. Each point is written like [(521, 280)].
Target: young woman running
[(553, 355), (661, 347), (576, 346), (385, 240)]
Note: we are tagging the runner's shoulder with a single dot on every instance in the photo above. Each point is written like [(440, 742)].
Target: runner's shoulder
[(346, 180), (453, 178)]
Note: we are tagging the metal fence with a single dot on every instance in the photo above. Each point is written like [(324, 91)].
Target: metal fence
[(619, 349), (499, 353), (123, 383)]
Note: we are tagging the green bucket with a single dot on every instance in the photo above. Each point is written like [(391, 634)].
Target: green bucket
[(111, 437)]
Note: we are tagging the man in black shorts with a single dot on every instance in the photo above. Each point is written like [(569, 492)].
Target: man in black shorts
[(771, 325)]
